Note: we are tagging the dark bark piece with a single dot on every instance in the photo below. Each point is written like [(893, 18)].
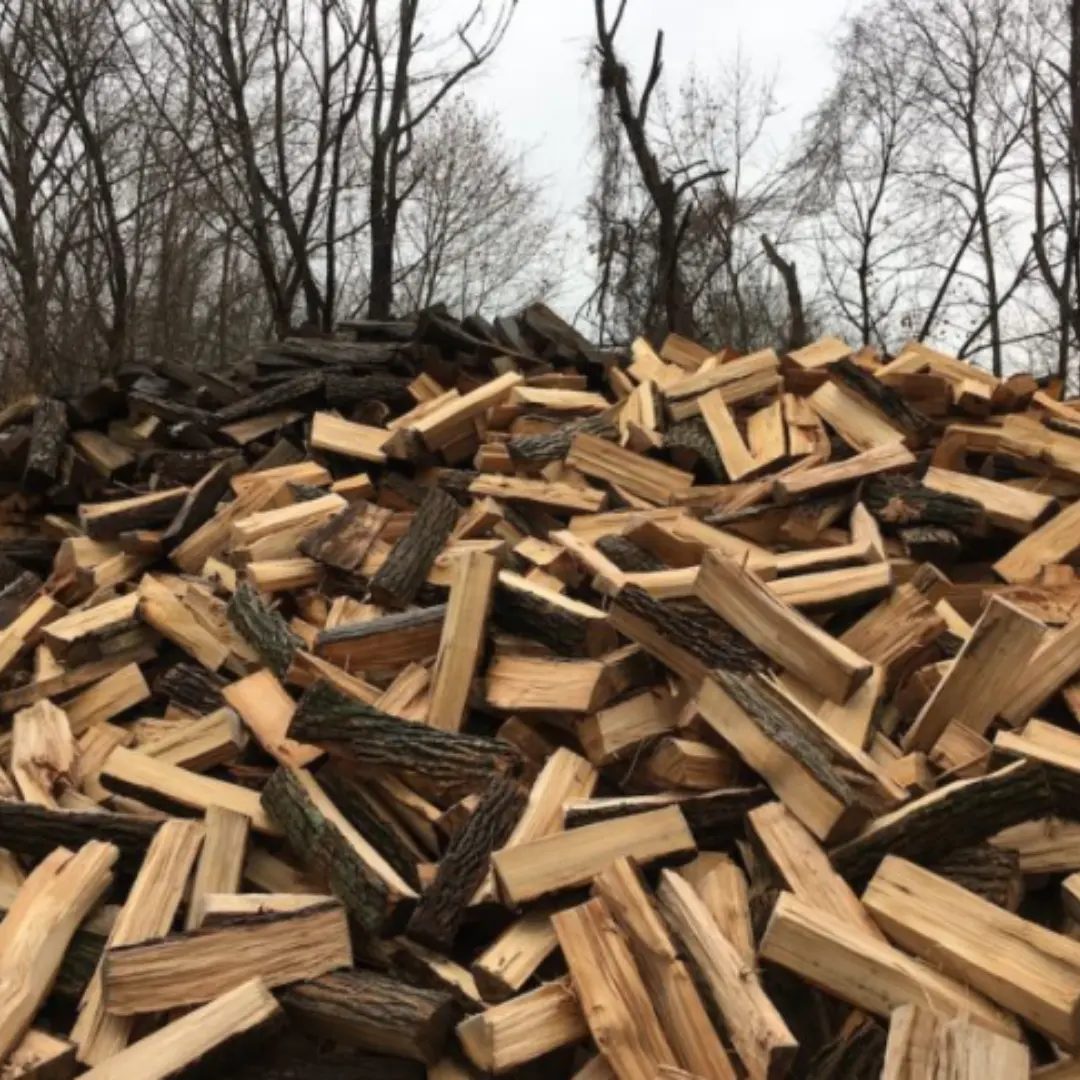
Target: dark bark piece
[(263, 629), (28, 829), (107, 524), (456, 482), (386, 643), (712, 642), (883, 397), (182, 468), (537, 450), (32, 552), (901, 502), (201, 501), (689, 441), (857, 1054), (174, 412), (960, 815), (628, 556), (48, 437), (931, 543), (370, 737), (344, 391), (990, 872), (346, 538), (16, 595), (398, 580), (373, 1012), (716, 818), (302, 390), (438, 917), (192, 688), (370, 819), (567, 633), (783, 726), (320, 844)]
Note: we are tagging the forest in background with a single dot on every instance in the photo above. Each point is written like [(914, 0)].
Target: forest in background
[(183, 178)]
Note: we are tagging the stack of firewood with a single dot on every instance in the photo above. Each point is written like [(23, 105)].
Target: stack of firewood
[(452, 699)]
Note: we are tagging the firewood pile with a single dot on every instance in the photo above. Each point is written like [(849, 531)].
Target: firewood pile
[(450, 699)]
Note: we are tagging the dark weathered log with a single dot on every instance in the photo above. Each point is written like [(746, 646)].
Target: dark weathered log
[(398, 580), (807, 744), (192, 688), (708, 640), (32, 552), (901, 502), (105, 523), (462, 869), (387, 643), (48, 438), (371, 819), (883, 397), (320, 843), (628, 556), (716, 818), (263, 629), (959, 815), (456, 482), (345, 391), (201, 501), (990, 872), (856, 1053), (16, 594), (373, 1012), (302, 390), (567, 632), (28, 829), (537, 450), (931, 543), (180, 468), (689, 441), (174, 412), (346, 538), (371, 737)]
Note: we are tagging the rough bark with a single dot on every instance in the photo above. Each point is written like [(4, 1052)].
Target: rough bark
[(371, 737), (28, 829), (398, 580), (109, 524), (990, 872), (373, 1012), (691, 438), (346, 391), (349, 795), (48, 438), (565, 632), (16, 595), (900, 501), (883, 397), (713, 642), (201, 502), (192, 688), (957, 817), (264, 630), (628, 556), (347, 537), (537, 450), (463, 867), (302, 390), (717, 818), (320, 844)]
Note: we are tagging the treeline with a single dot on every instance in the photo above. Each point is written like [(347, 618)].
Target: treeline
[(179, 178)]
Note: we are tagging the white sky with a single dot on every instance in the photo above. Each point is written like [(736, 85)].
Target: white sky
[(539, 85)]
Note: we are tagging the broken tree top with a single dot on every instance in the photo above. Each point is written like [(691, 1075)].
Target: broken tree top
[(447, 699)]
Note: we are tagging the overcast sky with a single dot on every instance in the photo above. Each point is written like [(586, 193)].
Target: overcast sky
[(538, 84)]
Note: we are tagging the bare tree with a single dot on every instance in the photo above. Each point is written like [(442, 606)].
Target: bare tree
[(475, 232)]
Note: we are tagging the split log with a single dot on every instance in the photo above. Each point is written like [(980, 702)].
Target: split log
[(398, 580), (371, 1012), (321, 836), (372, 738), (264, 629)]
